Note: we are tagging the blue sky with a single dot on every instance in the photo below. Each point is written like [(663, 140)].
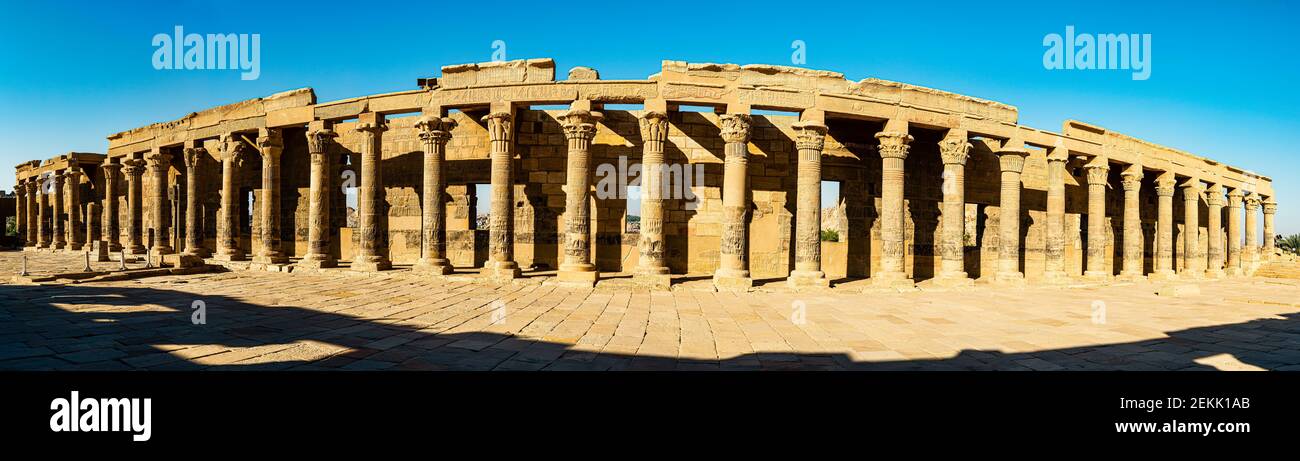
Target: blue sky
[(1220, 84)]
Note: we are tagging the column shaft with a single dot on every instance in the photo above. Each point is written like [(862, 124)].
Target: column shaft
[(579, 125), (651, 267), (954, 150), (733, 260), (372, 213), (1270, 208), (1251, 255), (60, 233), (74, 229), (319, 137), (33, 211), (1193, 255), (1214, 255), (435, 131), (159, 163), (193, 229), (112, 226), (1235, 199), (810, 138), (270, 144), (893, 149), (1133, 247), (1098, 174), (43, 219), (1011, 160), (1054, 264), (501, 244), (228, 221)]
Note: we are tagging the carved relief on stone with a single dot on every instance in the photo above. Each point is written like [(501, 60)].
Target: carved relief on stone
[(954, 150), (158, 160), (499, 126), (1270, 206), (435, 129), (810, 135), (1131, 181), (1098, 173), (736, 128), (318, 141), (192, 156), (1165, 186), (133, 167), (580, 127), (1252, 202), (893, 144), (654, 126), (1214, 196), (733, 230), (1012, 160)]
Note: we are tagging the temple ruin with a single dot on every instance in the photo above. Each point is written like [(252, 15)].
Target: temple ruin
[(937, 188)]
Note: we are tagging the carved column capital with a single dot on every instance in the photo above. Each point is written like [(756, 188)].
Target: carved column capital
[(1192, 188), (1098, 172), (500, 126), (193, 155), (1012, 160), (810, 135), (580, 125), (1131, 180), (1214, 195), (133, 167), (270, 142), (893, 144), (954, 150), (111, 168), (1252, 202), (736, 128), (158, 160), (59, 178), (654, 126), (318, 140), (435, 129), (1270, 207)]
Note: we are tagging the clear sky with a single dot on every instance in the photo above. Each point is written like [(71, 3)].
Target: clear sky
[(1221, 82)]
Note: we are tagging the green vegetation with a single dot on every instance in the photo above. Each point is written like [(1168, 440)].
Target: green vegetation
[(829, 235)]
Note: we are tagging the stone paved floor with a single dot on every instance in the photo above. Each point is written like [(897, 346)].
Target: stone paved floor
[(263, 320)]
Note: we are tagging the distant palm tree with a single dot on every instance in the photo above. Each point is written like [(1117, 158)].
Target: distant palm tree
[(1289, 243)]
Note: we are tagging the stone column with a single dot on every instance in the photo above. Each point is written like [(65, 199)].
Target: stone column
[(579, 128), (1193, 257), (43, 219), (1055, 240), (1098, 173), (112, 227), (1164, 261), (1270, 208), (228, 221), (270, 144), (193, 228), (810, 137), (893, 149), (74, 228), (319, 137), (435, 131), (34, 211), (159, 163), (954, 150), (134, 171), (60, 232), (651, 268), (733, 260), (20, 215), (1214, 255), (1131, 180), (1011, 160), (372, 213), (1250, 257), (501, 263), (1235, 199)]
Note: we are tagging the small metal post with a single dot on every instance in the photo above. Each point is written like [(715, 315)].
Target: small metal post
[(123, 260), (23, 270), (148, 258), (87, 269)]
